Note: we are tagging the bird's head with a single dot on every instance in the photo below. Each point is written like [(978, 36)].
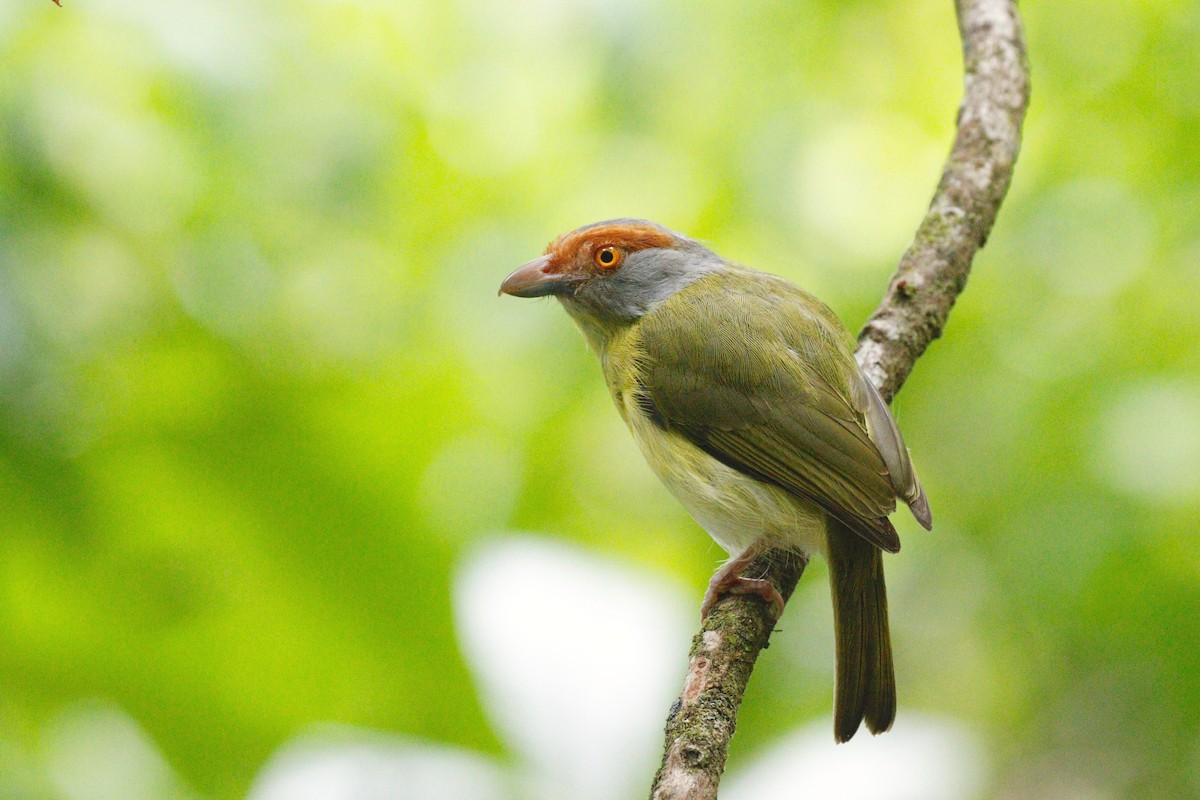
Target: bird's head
[(615, 271)]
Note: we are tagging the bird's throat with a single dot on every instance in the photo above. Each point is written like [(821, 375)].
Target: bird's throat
[(599, 332)]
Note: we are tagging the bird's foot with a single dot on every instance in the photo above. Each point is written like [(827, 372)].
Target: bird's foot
[(736, 584)]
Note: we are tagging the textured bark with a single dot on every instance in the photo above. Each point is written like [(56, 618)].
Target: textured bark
[(723, 654), (912, 314), (974, 181)]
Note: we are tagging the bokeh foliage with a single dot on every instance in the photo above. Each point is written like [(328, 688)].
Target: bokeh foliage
[(257, 394)]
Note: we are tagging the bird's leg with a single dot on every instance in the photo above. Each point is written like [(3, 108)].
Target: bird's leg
[(728, 580)]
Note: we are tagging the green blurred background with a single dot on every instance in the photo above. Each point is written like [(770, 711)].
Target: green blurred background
[(258, 397)]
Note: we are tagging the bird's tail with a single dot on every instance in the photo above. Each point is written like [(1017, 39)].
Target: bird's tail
[(866, 684)]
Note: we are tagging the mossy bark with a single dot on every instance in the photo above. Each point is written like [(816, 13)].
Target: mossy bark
[(723, 654), (933, 272)]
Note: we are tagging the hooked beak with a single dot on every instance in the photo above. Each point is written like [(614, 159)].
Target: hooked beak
[(532, 280)]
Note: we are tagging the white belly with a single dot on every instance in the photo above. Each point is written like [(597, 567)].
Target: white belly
[(734, 508)]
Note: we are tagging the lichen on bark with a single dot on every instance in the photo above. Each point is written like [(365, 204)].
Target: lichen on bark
[(722, 657)]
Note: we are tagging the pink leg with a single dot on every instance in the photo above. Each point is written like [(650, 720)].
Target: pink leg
[(728, 580)]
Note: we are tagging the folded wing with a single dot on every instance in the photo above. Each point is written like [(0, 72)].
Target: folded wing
[(771, 389)]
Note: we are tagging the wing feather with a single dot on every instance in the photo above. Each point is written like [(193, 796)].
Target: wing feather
[(765, 396)]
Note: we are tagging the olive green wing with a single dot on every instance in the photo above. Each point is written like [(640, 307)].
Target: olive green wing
[(764, 381)]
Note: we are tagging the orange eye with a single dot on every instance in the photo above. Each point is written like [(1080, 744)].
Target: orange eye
[(607, 257)]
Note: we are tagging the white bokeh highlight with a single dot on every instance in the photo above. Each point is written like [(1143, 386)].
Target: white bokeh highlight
[(578, 660), (95, 751), (341, 764), (921, 758)]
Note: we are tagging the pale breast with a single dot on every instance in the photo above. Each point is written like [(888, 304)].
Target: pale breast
[(732, 507)]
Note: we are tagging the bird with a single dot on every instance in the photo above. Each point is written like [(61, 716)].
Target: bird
[(743, 394)]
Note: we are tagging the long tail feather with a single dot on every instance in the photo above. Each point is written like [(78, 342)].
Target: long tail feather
[(866, 683)]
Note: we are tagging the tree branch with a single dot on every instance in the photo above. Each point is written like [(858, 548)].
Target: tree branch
[(912, 314)]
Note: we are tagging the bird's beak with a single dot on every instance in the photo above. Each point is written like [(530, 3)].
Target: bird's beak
[(532, 280)]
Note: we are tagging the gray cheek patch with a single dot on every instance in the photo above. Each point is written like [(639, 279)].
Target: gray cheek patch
[(647, 278)]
